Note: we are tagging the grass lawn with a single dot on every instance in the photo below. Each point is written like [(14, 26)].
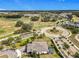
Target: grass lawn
[(38, 25), (23, 42), (25, 56), (3, 56), (52, 31), (2, 30), (25, 19), (7, 25), (44, 56), (50, 56), (9, 35)]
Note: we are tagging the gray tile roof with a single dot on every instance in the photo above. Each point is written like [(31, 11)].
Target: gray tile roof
[(9, 53), (39, 47), (72, 24)]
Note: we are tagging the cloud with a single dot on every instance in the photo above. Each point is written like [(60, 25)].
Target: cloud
[(2, 9)]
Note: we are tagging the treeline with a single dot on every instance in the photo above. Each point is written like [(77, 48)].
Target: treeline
[(11, 16), (75, 13)]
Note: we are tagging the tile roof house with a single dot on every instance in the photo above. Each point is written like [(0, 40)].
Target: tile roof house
[(8, 54), (72, 24), (39, 47)]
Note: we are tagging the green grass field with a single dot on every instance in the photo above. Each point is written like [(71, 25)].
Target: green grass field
[(50, 56)]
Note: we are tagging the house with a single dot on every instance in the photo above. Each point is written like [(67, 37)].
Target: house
[(64, 14), (72, 24), (39, 47), (72, 50), (8, 54)]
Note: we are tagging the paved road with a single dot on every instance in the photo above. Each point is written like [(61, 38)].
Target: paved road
[(8, 37), (77, 37), (65, 33), (26, 36)]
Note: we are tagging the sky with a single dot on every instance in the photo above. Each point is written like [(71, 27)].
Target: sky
[(39, 4)]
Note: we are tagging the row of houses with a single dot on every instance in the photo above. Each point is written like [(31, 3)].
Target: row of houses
[(38, 47), (72, 24)]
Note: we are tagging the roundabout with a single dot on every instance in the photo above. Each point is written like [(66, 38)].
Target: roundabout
[(61, 32), (77, 37)]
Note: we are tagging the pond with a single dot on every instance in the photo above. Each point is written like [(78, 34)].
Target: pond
[(51, 50)]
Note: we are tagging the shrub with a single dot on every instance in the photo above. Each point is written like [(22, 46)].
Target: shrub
[(19, 23), (76, 55), (27, 27), (45, 19), (66, 46), (23, 42), (35, 18), (1, 47)]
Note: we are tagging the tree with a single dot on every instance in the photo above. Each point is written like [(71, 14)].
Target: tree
[(24, 42), (18, 31), (35, 18), (35, 35), (53, 20), (18, 39), (41, 35), (66, 46), (1, 47), (27, 27), (45, 19), (8, 41), (13, 46), (34, 54), (19, 23), (76, 55)]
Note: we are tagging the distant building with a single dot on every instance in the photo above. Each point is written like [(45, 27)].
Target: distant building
[(65, 15), (72, 24), (31, 15), (39, 47)]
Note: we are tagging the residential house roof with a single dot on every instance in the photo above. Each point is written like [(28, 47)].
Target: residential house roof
[(39, 47)]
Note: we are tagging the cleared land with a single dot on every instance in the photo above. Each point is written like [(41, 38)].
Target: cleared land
[(6, 25)]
